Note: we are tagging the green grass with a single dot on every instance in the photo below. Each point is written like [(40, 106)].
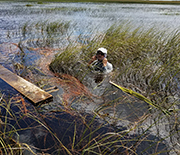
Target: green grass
[(146, 60), (47, 33), (146, 66)]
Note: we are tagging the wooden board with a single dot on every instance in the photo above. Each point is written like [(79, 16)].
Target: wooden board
[(29, 90)]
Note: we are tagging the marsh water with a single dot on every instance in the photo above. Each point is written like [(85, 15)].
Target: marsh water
[(24, 22), (86, 18)]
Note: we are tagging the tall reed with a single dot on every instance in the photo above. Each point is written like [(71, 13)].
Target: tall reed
[(147, 61), (44, 33), (146, 65)]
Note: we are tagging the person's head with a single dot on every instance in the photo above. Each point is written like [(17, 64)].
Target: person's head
[(101, 53)]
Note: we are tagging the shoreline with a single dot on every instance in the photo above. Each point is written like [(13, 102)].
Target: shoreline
[(103, 1)]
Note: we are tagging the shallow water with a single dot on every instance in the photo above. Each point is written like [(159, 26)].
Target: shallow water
[(86, 19)]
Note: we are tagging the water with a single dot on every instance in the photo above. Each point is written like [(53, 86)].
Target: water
[(18, 22), (86, 19), (87, 16)]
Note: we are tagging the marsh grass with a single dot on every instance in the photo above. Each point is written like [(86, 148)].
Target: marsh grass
[(9, 130), (80, 133), (146, 66), (146, 61), (45, 34), (83, 133)]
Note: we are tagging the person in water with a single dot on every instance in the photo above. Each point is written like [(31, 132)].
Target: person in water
[(100, 62)]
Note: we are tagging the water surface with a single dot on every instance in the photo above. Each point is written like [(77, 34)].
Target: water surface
[(88, 17), (83, 18)]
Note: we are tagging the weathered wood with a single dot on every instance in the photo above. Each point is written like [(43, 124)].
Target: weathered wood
[(29, 90)]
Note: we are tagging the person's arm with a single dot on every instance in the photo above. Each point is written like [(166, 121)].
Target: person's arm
[(104, 65), (104, 62), (92, 60)]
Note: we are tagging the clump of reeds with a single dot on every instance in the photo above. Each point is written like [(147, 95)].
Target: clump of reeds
[(146, 64), (45, 34), (144, 60), (9, 126)]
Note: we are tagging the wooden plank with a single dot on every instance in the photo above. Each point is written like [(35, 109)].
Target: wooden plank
[(29, 90)]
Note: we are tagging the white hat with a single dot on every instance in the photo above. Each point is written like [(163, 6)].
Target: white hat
[(103, 50)]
